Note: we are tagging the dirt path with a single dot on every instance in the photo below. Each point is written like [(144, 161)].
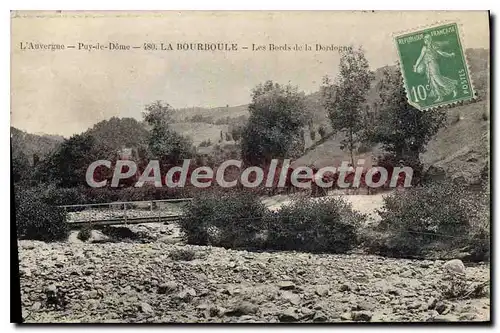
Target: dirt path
[(365, 204)]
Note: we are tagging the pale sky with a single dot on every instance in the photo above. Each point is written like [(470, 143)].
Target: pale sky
[(65, 92)]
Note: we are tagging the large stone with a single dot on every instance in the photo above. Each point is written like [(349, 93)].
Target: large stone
[(241, 309), (322, 290), (431, 303), (345, 287), (364, 305), (346, 316), (467, 316), (291, 297), (36, 306), (146, 308), (320, 317), (288, 316), (51, 289), (166, 288), (217, 311), (441, 307), (186, 294), (286, 285), (361, 315), (97, 237), (448, 317), (455, 267)]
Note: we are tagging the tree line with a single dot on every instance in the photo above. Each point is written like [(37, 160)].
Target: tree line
[(278, 116), (275, 128)]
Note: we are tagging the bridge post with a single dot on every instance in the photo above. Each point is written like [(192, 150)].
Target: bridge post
[(125, 211)]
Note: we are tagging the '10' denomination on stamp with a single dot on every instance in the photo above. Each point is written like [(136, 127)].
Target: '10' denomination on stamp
[(434, 67)]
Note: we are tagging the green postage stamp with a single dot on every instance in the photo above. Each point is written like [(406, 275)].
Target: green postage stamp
[(434, 67)]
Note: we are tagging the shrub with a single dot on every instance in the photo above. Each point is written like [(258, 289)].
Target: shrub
[(37, 220), (102, 195), (456, 118), (436, 218), (323, 225), (230, 219), (478, 238), (364, 147), (182, 254), (485, 116), (84, 234), (58, 196)]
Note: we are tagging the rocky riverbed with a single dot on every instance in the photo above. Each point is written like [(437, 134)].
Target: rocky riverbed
[(164, 282)]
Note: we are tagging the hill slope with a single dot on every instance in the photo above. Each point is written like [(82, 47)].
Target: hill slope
[(31, 144), (460, 149)]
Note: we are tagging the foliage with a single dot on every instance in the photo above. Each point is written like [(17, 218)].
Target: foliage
[(37, 220), (205, 143), (67, 166), (20, 166), (236, 132), (344, 99), (182, 254), (321, 131), (478, 238), (428, 220), (198, 118), (228, 219), (84, 233), (402, 129), (33, 144), (116, 133), (324, 225), (165, 143), (146, 192), (274, 129), (312, 134), (485, 116)]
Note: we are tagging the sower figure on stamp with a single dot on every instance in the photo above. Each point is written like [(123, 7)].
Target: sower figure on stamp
[(427, 63)]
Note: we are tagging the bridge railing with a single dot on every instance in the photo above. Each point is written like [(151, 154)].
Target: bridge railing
[(125, 212)]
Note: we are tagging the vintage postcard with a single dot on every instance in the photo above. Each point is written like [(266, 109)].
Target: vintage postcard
[(251, 166)]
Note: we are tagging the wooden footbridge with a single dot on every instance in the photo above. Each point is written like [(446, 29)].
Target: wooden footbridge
[(125, 212)]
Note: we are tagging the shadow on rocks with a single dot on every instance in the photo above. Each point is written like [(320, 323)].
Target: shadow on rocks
[(121, 234)]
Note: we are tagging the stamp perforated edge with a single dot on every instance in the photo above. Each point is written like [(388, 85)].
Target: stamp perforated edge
[(461, 37)]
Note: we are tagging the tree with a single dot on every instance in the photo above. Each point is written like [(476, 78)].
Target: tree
[(321, 131), (275, 125), (344, 99), (236, 132), (20, 166), (117, 133), (19, 161), (36, 159), (312, 134), (67, 166), (402, 129), (164, 143)]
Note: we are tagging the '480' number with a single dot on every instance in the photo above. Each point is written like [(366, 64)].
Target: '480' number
[(419, 93)]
